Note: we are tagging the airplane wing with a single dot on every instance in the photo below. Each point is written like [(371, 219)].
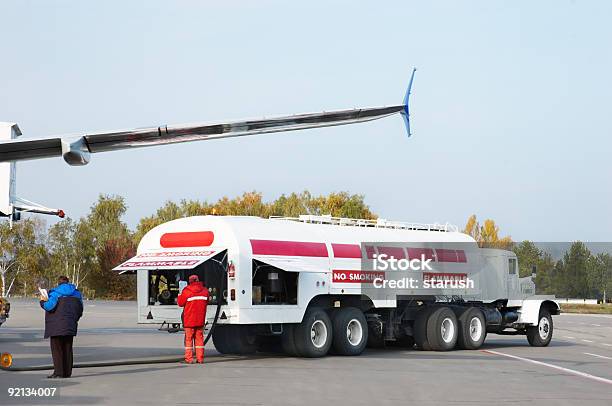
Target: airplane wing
[(77, 150)]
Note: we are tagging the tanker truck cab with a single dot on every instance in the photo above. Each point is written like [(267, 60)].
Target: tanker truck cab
[(298, 285)]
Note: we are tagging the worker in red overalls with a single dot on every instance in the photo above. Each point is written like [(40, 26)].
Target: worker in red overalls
[(194, 298)]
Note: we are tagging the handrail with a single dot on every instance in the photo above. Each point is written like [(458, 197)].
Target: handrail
[(377, 223)]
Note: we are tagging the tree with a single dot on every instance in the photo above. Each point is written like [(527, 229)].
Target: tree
[(600, 276), (487, 234), (22, 253), (71, 250), (114, 253), (340, 204), (103, 227), (575, 270), (544, 274), (528, 256)]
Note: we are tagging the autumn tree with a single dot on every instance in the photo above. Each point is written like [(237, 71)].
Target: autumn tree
[(112, 242), (487, 234), (340, 204)]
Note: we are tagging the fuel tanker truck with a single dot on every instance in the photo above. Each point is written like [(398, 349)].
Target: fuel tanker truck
[(317, 284)]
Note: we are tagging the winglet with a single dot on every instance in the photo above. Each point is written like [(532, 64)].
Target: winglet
[(406, 112)]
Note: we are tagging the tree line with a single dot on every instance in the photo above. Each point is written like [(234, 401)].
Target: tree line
[(87, 249)]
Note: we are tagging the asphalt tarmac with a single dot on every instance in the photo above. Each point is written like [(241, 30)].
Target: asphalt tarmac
[(576, 369)]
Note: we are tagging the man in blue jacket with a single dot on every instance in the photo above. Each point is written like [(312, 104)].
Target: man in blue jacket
[(63, 309)]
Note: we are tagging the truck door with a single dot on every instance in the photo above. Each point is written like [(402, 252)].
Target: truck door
[(512, 278)]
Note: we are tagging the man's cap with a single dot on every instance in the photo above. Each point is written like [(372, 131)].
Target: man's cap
[(194, 278)]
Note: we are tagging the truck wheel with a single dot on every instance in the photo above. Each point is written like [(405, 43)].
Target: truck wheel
[(244, 339), (472, 329), (220, 339), (540, 335), (420, 328), (313, 336), (442, 329), (350, 331), (234, 339), (288, 340), (269, 344)]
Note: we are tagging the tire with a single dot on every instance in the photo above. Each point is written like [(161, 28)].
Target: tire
[(220, 339), (442, 329), (420, 328), (350, 331), (244, 340), (288, 340), (235, 339), (472, 329), (269, 344), (313, 336), (540, 335)]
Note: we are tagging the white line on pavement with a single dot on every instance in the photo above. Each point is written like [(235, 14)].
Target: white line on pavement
[(545, 364), (570, 337), (587, 341), (597, 355), (609, 345)]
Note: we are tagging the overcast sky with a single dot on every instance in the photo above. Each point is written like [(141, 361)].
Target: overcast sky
[(511, 109)]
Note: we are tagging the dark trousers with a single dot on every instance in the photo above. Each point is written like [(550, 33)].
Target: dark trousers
[(61, 351)]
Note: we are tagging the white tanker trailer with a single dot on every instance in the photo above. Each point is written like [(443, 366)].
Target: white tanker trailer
[(313, 284)]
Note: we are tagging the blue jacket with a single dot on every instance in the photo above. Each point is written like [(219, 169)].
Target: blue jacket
[(62, 311)]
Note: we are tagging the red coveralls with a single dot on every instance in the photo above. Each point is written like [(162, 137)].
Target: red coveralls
[(194, 299)]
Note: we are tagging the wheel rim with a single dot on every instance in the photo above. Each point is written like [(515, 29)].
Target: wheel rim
[(354, 332), (475, 329), (318, 334), (447, 329), (544, 328)]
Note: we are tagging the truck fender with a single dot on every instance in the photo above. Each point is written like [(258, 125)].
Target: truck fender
[(529, 313)]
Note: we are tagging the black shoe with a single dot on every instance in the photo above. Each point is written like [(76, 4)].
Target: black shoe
[(53, 376)]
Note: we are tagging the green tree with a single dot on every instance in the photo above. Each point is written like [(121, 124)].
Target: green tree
[(575, 269), (528, 256), (71, 250), (545, 275), (23, 256), (600, 276)]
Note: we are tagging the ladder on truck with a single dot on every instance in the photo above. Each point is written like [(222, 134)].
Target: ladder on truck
[(377, 223)]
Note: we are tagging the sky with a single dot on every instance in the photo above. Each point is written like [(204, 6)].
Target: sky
[(510, 105)]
